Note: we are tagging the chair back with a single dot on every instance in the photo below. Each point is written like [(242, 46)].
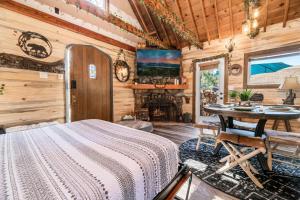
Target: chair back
[(257, 97)]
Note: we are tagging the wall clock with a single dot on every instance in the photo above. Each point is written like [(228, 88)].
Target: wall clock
[(122, 69)]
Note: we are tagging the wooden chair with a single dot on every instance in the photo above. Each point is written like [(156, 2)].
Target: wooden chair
[(257, 97), (207, 122), (238, 157), (278, 139)]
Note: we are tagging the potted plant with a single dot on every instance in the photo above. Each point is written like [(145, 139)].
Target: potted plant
[(245, 96), (187, 117), (233, 94)]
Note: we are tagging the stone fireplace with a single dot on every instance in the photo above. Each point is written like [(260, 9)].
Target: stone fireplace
[(160, 105)]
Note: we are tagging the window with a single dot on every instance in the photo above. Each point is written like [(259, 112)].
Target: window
[(99, 3), (209, 79), (268, 68)]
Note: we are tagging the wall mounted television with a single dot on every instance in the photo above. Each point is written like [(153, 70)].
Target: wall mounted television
[(157, 62)]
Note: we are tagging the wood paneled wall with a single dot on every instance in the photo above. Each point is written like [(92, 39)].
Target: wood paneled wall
[(43, 99), (29, 99), (276, 36)]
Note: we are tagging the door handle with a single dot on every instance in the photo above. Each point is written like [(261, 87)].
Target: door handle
[(73, 99)]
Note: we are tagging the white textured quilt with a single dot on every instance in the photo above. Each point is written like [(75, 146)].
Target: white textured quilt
[(90, 159)]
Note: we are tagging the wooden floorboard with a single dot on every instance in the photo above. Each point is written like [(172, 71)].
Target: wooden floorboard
[(176, 132)]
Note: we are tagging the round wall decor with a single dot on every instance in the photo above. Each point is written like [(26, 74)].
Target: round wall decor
[(235, 69), (35, 45), (122, 70)]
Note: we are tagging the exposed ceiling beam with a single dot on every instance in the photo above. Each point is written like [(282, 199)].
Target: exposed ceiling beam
[(132, 29), (84, 5), (266, 15), (231, 18), (194, 20), (152, 22), (217, 18), (180, 15), (165, 32), (152, 33), (170, 18), (178, 45), (204, 21), (138, 14), (180, 10), (286, 12)]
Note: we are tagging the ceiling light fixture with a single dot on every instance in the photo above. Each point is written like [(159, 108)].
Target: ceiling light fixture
[(250, 25)]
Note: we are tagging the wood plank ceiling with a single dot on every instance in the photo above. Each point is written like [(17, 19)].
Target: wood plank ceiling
[(212, 19)]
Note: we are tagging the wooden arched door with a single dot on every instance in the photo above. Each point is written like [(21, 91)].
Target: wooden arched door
[(90, 84)]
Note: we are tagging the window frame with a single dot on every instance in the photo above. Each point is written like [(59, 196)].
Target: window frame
[(106, 3), (264, 53), (94, 9)]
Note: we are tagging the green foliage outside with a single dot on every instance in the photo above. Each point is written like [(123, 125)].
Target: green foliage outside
[(209, 80)]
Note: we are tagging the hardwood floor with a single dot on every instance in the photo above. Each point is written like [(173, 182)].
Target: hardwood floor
[(179, 133)]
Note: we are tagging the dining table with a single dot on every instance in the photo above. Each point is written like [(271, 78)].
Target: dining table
[(227, 114)]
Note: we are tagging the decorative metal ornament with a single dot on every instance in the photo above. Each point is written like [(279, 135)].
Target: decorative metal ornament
[(122, 69), (230, 45), (235, 69), (20, 62), (2, 89), (35, 45)]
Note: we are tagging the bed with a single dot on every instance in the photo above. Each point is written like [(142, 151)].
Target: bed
[(89, 159)]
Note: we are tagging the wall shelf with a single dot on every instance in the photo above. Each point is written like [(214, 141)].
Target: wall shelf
[(157, 87)]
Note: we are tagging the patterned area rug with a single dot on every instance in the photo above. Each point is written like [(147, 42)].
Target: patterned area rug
[(283, 184)]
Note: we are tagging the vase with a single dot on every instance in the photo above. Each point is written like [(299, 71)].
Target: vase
[(245, 103)]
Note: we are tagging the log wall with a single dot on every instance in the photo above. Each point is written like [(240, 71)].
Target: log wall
[(276, 36), (30, 99)]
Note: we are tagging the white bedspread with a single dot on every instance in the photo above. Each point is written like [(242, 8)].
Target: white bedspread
[(90, 159)]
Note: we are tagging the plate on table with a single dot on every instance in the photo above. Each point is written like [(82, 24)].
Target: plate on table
[(280, 108), (218, 106), (243, 108)]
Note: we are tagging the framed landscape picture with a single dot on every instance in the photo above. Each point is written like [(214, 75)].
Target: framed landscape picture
[(157, 62)]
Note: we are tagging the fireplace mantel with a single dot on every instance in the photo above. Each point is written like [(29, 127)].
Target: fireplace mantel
[(157, 87)]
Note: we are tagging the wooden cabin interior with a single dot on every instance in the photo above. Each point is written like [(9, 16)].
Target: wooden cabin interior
[(150, 99)]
